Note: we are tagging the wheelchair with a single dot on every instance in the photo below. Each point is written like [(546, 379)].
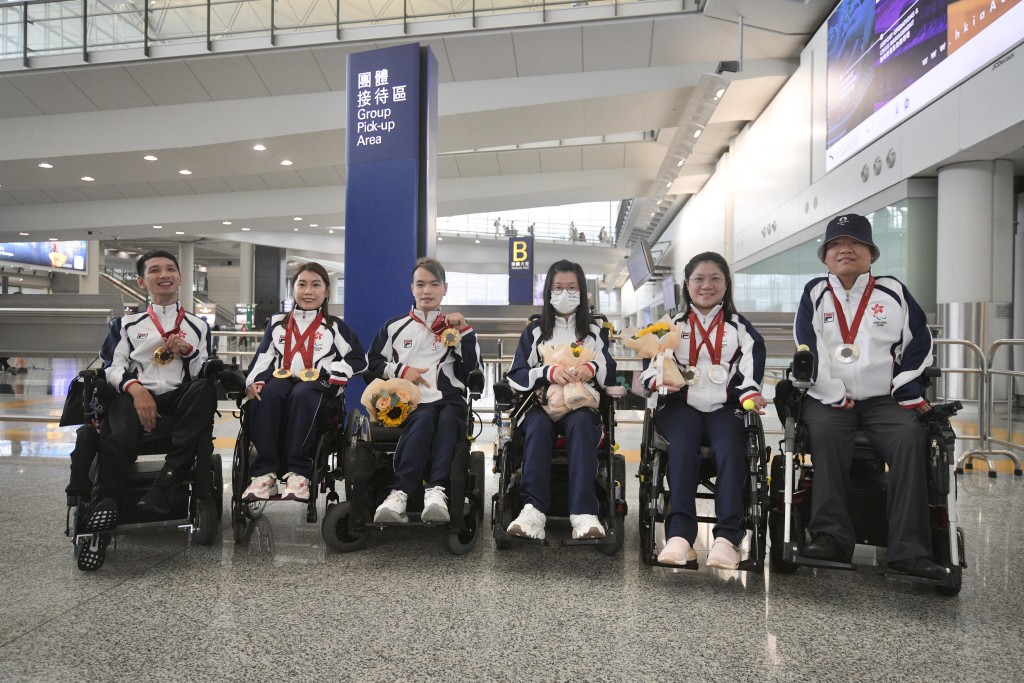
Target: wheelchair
[(368, 469), (326, 464), (792, 484), (656, 499), (610, 484), (199, 513)]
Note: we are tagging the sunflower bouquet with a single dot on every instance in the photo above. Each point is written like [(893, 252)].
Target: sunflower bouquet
[(389, 401), (658, 342), (561, 399)]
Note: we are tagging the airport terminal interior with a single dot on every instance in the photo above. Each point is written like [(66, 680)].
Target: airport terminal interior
[(624, 135)]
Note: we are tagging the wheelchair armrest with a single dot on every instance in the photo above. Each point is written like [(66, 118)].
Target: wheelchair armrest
[(615, 392), (233, 382), (211, 368)]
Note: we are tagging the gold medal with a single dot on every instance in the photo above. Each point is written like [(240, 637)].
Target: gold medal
[(451, 337), (691, 376), (162, 356), (282, 373), (309, 375)]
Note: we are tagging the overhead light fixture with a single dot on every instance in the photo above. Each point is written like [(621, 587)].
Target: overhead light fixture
[(314, 225), (440, 239), (226, 222), (149, 157), (246, 229), (185, 171), (179, 232), (54, 239), (259, 148), (295, 229), (24, 234), (285, 162), (158, 227), (297, 218), (696, 133), (88, 178), (331, 231), (45, 165)]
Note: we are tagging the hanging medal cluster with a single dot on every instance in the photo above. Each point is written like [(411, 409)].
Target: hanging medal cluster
[(163, 356), (302, 344), (717, 373)]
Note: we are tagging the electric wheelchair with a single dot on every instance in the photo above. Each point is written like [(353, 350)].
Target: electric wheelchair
[(792, 485), (656, 498), (610, 484), (367, 469), (330, 419), (198, 513)]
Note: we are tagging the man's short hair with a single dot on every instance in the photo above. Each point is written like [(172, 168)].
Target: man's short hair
[(140, 265), (432, 266)]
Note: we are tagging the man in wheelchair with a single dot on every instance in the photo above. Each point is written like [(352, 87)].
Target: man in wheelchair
[(871, 344), (155, 371)]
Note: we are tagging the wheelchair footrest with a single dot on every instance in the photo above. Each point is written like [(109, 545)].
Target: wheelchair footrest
[(668, 565), (502, 535), (608, 539), (822, 564), (892, 575)]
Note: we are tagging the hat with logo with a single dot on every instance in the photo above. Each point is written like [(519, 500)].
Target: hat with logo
[(850, 225)]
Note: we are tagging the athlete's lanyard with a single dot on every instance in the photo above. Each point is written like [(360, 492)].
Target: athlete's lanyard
[(714, 351), (850, 333), (303, 341), (160, 328)]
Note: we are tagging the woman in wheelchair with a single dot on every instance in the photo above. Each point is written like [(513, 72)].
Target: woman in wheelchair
[(435, 351), (305, 358), (724, 359), (564, 320)]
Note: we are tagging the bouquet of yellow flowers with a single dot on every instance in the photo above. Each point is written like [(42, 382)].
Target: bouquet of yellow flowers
[(561, 399), (658, 341), (389, 401)]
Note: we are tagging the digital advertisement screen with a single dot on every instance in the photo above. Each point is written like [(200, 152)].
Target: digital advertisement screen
[(888, 59), (68, 256)]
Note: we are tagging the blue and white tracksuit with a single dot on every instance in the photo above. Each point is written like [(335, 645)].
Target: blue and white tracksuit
[(185, 404), (708, 411), (581, 427), (337, 353), (884, 386), (431, 432)]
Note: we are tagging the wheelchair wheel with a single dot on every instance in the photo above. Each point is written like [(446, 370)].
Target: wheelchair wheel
[(217, 465), (237, 521), (204, 521), (244, 454), (618, 526), (463, 541), (776, 526), (335, 530)]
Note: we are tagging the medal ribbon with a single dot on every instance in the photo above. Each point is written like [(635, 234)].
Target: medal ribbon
[(160, 328), (438, 327), (714, 351), (850, 333), (303, 341)]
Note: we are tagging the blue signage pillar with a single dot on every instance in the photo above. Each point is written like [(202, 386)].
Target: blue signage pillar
[(390, 199), (520, 270)]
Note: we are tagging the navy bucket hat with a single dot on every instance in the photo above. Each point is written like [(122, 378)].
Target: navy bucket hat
[(850, 225)]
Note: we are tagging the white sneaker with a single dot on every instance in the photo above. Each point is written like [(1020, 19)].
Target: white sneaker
[(261, 487), (296, 487), (435, 506), (677, 551), (529, 523), (723, 555), (392, 510), (586, 526)]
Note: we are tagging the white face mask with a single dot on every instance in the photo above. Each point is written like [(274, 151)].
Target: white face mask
[(565, 302)]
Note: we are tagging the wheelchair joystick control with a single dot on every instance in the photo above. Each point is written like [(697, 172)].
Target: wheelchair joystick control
[(803, 364)]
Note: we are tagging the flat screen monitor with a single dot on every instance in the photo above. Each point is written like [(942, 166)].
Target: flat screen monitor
[(668, 293), (641, 264), (889, 59)]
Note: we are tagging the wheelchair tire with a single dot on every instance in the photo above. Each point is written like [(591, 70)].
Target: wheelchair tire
[(239, 468), (335, 531), (217, 465), (237, 522), (204, 522), (473, 512), (776, 527)]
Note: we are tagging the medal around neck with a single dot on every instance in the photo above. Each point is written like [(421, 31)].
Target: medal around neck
[(451, 337), (718, 374), (162, 356), (282, 373), (691, 376), (847, 353), (309, 375)]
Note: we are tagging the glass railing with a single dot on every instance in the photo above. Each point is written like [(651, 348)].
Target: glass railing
[(40, 28)]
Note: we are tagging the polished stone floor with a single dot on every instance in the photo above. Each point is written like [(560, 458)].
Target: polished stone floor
[(281, 605)]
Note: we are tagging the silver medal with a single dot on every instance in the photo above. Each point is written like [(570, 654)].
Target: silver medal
[(691, 376), (718, 374), (847, 353)]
